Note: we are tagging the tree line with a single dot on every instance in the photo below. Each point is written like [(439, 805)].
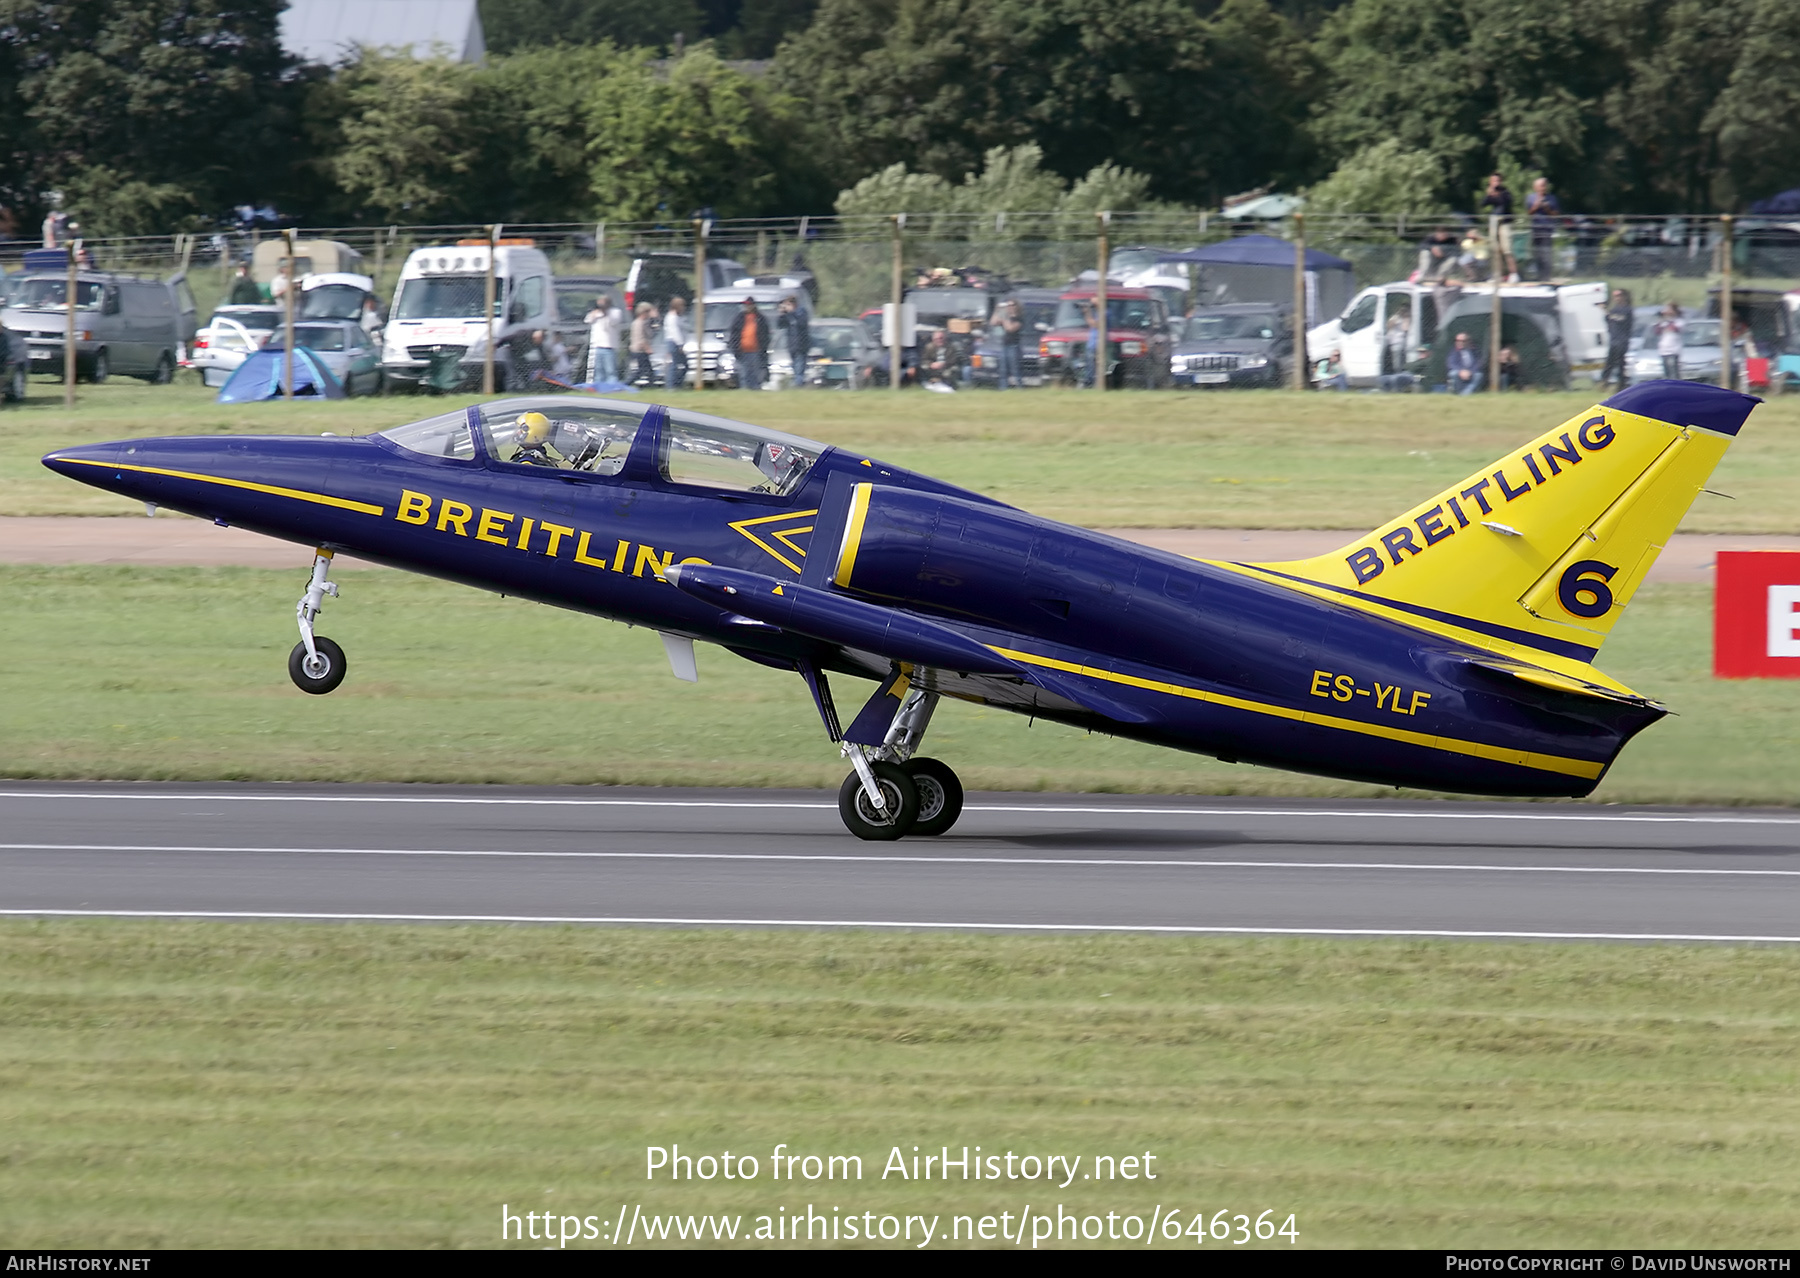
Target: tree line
[(157, 115)]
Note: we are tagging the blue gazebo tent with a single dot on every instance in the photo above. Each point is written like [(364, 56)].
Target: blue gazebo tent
[(259, 377), (1260, 268)]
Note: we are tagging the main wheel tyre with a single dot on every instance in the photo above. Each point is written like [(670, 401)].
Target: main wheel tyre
[(100, 369), (165, 371), (940, 795), (899, 793), (15, 384), (317, 676)]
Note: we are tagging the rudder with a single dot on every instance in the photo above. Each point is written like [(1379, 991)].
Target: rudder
[(1546, 546)]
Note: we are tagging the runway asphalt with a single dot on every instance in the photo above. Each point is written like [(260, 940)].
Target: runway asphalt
[(1015, 862)]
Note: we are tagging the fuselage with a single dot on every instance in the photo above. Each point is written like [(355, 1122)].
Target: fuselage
[(1107, 634)]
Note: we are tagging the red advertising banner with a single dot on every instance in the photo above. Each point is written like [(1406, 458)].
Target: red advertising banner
[(1756, 615)]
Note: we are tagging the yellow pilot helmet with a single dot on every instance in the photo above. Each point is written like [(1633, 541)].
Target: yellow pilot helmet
[(533, 428)]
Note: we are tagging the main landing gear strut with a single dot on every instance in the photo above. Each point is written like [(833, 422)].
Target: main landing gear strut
[(891, 791), (316, 664)]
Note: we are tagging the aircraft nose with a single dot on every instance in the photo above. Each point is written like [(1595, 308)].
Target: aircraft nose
[(85, 462), (90, 463)]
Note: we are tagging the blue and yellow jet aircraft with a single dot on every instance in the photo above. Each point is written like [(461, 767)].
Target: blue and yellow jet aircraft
[(1451, 648)]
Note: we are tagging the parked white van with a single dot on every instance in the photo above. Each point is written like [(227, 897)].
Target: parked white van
[(436, 321), (1360, 334)]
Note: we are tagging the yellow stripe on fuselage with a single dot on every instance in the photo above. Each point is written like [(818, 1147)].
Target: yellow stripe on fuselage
[(1523, 758), (319, 499)]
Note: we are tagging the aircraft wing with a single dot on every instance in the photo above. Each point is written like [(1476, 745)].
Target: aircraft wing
[(876, 637)]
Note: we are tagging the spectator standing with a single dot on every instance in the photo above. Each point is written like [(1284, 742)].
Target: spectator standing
[(1464, 367), (796, 335), (1544, 209), (244, 290), (748, 342), (675, 335), (603, 339), (1498, 202), (642, 374), (1618, 337), (56, 226), (1667, 332), (1012, 337)]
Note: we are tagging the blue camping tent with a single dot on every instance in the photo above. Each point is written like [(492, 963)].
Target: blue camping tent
[(1785, 204), (1260, 268), (259, 377)]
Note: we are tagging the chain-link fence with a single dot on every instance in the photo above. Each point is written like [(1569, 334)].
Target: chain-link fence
[(952, 266)]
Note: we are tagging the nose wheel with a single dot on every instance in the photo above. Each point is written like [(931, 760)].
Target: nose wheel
[(316, 664), (318, 671)]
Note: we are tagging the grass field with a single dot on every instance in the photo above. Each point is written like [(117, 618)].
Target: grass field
[(181, 673), (1132, 459), (280, 1085)]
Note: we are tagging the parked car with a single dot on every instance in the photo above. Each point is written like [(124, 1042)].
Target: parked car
[(1137, 339), (842, 355), (436, 335), (334, 295), (259, 319), (1700, 358), (722, 308), (656, 277), (1360, 334), (795, 275), (221, 346), (1644, 317), (1250, 344), (344, 348), (124, 324)]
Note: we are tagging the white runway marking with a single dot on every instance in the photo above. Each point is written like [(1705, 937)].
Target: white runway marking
[(879, 859), (921, 925), (1653, 818)]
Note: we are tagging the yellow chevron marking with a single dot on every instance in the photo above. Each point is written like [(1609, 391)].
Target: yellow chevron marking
[(783, 535)]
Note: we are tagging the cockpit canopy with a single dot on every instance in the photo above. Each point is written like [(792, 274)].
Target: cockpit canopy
[(595, 436)]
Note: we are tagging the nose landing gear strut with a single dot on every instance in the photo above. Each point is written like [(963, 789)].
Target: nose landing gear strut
[(316, 664)]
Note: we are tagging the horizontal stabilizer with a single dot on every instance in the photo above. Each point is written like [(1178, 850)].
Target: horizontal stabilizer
[(837, 619), (1541, 678)]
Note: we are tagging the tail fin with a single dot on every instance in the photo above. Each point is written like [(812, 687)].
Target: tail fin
[(1545, 547)]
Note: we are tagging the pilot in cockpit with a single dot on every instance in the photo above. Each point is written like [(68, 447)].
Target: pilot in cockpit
[(531, 433)]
